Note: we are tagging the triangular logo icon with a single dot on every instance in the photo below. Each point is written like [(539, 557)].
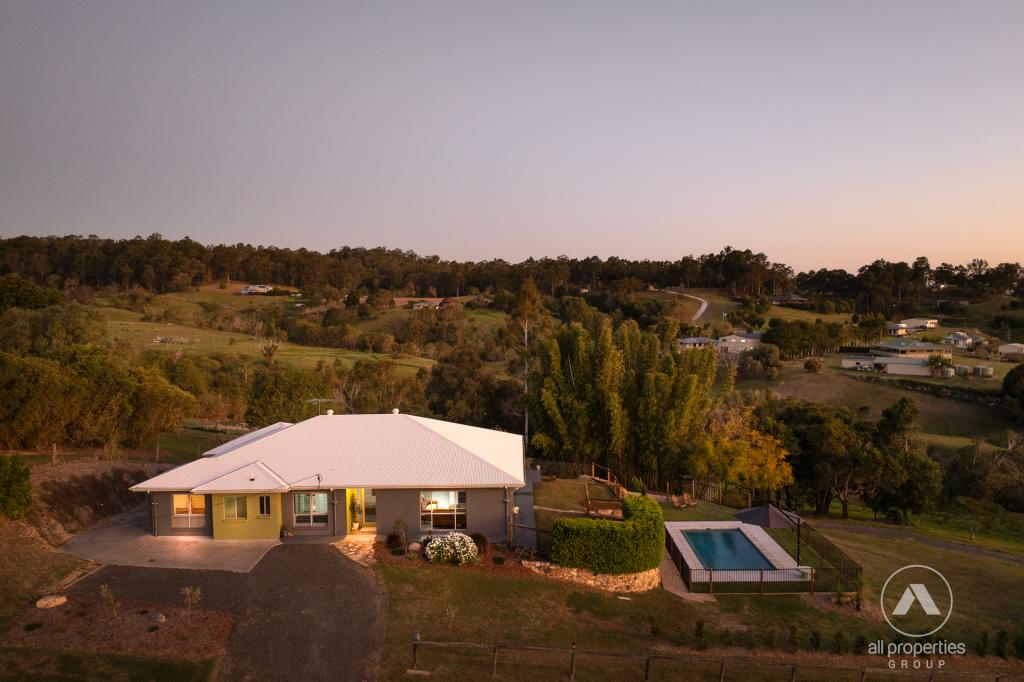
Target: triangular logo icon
[(919, 593)]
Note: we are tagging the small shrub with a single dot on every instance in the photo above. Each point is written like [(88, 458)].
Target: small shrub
[(481, 542), (153, 628), (726, 637), (29, 627), (700, 636), (812, 365), (771, 640), (497, 560), (839, 643), (397, 537), (794, 637), (815, 640), (1002, 645), (984, 643), (108, 599), (453, 548), (860, 644), (398, 551), (1018, 644), (191, 597)]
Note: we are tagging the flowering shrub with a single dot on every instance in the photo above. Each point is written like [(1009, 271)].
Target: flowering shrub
[(454, 548)]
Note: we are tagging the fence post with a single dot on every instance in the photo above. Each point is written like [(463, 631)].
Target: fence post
[(792, 673), (572, 662), (647, 669), (721, 672), (494, 663), (863, 674), (415, 648), (761, 573), (711, 581), (814, 572)]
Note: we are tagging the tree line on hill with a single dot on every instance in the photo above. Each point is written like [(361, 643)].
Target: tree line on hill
[(160, 265)]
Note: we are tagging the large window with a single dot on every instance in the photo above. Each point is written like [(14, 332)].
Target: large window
[(311, 509), (235, 508), (264, 505), (442, 509), (188, 511)]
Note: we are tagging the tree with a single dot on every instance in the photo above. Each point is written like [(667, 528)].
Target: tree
[(1013, 392), (460, 388), (526, 311), (765, 360), (15, 488), (281, 395), (156, 406)]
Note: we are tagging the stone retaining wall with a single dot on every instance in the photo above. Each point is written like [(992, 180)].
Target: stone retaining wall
[(627, 582)]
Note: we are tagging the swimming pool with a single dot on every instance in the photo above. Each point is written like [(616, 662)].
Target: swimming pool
[(727, 549)]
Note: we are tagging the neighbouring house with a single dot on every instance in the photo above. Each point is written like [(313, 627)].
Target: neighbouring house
[(692, 342), (959, 340), (788, 299), (918, 324), (895, 329), (451, 304), (423, 305), (906, 366), (333, 474), (1011, 349), (257, 289), (909, 348), (739, 342)]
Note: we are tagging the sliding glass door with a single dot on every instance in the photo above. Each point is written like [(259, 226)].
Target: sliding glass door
[(311, 509)]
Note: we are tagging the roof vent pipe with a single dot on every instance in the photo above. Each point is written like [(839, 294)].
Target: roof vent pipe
[(394, 411), (330, 412)]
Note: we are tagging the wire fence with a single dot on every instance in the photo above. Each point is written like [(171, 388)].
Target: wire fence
[(516, 660)]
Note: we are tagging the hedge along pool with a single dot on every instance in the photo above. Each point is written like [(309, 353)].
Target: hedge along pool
[(727, 549)]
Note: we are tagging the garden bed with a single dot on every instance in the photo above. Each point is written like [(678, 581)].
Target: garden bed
[(86, 623)]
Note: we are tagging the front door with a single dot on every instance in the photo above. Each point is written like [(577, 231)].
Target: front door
[(369, 508)]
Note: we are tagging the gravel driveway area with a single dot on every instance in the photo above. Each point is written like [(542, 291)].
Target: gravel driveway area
[(304, 612)]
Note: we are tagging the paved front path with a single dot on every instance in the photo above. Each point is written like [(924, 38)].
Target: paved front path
[(123, 540), (305, 612)]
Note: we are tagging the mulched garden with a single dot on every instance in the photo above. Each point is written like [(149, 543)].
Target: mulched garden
[(87, 623)]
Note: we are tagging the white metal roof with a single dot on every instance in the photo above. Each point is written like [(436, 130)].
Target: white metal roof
[(355, 451), (247, 438)]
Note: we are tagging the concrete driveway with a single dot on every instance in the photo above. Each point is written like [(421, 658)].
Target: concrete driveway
[(124, 541)]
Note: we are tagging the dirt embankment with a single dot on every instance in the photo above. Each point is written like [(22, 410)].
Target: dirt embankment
[(70, 497)]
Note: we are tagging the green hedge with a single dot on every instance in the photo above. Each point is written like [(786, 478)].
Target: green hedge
[(604, 546)]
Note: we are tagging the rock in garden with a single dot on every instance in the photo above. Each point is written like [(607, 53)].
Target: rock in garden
[(51, 600), (415, 546), (159, 618)]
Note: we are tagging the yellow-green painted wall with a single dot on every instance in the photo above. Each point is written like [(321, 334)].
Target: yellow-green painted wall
[(254, 527)]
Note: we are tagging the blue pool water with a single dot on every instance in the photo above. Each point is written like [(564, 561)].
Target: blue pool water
[(725, 549)]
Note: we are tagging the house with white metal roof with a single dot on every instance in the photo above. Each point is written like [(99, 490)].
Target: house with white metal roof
[(336, 474)]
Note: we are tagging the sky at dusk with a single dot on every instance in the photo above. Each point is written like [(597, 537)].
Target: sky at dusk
[(822, 133)]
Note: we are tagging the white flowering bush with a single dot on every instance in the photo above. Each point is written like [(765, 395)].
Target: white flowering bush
[(453, 548)]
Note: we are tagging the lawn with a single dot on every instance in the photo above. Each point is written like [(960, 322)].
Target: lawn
[(128, 326), (28, 569), (569, 493), (943, 421)]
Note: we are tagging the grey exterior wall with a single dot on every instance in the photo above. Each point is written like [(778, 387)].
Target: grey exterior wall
[(337, 518), (161, 510), (485, 512)]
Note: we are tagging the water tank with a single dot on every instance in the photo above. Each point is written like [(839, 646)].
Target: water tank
[(986, 371), (946, 372), (962, 370)]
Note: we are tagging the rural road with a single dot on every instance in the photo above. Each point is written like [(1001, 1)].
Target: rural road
[(703, 304)]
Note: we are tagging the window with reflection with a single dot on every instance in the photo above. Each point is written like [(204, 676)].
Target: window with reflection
[(442, 509)]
